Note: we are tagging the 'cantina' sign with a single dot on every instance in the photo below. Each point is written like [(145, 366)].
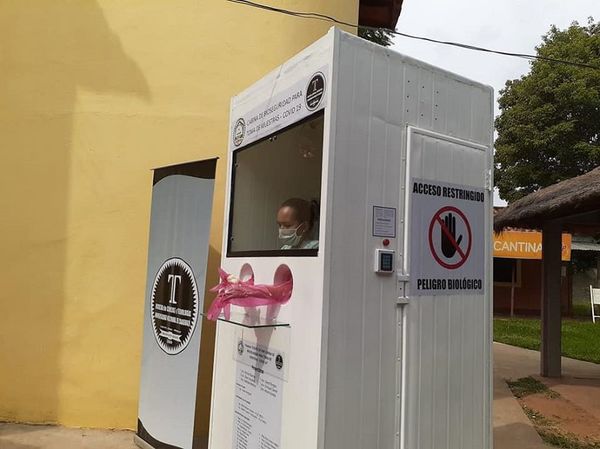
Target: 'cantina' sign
[(526, 245)]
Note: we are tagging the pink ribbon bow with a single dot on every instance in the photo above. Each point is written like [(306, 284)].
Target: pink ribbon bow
[(232, 291)]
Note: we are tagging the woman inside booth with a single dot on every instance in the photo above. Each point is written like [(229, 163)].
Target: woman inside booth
[(296, 218)]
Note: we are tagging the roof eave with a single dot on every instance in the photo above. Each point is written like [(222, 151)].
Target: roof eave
[(574, 196), (379, 13)]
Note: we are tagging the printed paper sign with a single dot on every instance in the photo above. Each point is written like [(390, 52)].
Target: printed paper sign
[(258, 397), (447, 239), (384, 221), (268, 360), (283, 109)]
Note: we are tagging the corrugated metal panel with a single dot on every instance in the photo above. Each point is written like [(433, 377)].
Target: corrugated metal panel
[(447, 339), (584, 243), (365, 370), (584, 246), (362, 350), (449, 365)]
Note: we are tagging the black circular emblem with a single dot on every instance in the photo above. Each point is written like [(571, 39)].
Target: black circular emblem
[(279, 361), (240, 347), (239, 131), (174, 305), (315, 91)]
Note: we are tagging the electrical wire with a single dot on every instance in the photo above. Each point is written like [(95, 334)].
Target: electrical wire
[(326, 18)]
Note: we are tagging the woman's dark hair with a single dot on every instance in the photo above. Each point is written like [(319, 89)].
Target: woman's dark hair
[(304, 211)]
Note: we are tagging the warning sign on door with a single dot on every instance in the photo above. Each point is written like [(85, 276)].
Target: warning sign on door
[(447, 239)]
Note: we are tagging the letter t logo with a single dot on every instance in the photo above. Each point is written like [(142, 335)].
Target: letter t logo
[(176, 278)]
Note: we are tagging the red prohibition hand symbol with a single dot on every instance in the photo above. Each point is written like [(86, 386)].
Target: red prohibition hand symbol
[(450, 245)]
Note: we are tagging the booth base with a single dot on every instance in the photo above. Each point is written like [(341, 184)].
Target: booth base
[(141, 443), (199, 443)]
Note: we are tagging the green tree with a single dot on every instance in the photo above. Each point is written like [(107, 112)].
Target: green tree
[(379, 36), (549, 123)]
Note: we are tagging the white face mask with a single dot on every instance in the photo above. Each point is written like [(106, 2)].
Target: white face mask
[(289, 236)]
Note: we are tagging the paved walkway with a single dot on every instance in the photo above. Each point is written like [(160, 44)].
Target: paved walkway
[(21, 436), (580, 385)]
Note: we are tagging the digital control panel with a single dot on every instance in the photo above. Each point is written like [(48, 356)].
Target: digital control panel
[(384, 261)]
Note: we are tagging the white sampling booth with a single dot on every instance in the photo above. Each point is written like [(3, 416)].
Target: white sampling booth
[(364, 177)]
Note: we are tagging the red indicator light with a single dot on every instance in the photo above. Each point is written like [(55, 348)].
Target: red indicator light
[(386, 242)]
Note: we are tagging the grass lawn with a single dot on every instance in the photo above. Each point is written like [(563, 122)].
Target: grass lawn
[(580, 339)]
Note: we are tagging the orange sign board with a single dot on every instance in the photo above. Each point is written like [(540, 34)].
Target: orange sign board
[(526, 245)]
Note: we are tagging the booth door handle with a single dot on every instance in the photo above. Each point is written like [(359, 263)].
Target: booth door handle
[(403, 288)]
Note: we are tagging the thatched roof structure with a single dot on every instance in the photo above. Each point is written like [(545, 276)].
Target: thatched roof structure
[(567, 198)]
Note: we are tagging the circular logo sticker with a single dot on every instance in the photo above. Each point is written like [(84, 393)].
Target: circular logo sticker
[(315, 91), (279, 361), (239, 131), (174, 305)]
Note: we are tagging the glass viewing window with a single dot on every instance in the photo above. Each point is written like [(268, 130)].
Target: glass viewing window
[(276, 193)]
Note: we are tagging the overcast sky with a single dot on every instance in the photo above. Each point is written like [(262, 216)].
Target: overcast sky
[(509, 25)]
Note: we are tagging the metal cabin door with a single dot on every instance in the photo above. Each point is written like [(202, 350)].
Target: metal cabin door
[(444, 285)]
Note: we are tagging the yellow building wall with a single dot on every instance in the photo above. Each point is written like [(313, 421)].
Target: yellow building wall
[(93, 95)]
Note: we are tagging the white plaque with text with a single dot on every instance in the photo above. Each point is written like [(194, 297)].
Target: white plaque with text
[(258, 401)]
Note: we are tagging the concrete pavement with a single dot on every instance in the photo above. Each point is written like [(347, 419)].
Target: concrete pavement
[(580, 385), (512, 428), (23, 436)]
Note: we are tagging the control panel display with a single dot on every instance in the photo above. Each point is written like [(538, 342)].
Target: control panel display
[(384, 261)]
